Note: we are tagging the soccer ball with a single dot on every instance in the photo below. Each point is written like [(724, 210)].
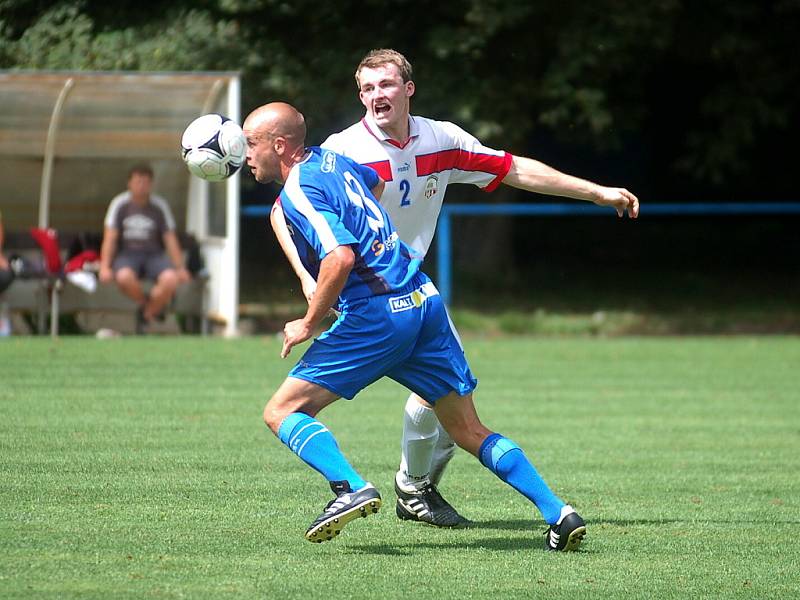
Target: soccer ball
[(213, 147)]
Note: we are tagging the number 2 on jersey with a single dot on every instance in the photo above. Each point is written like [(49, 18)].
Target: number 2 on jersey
[(405, 187)]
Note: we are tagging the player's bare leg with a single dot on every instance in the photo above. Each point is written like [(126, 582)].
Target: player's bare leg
[(129, 284), (161, 294)]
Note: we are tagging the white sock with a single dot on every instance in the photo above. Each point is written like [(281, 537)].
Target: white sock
[(420, 432), (565, 510), (442, 453)]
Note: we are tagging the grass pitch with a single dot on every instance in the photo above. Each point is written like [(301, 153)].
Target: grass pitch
[(140, 468)]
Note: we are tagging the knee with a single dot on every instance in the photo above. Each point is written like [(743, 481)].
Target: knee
[(458, 417), (295, 396), (125, 277), (470, 440), (168, 280), (274, 413), (469, 435)]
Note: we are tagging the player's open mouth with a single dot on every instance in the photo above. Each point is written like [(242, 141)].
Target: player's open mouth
[(381, 109)]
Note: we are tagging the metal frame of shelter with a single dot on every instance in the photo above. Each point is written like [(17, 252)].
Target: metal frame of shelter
[(76, 131)]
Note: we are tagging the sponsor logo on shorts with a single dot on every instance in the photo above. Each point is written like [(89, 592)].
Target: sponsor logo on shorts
[(406, 302)]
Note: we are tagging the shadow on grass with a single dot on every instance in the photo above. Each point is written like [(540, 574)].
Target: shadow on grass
[(383, 549), (509, 525), (457, 539), (406, 549), (533, 542)]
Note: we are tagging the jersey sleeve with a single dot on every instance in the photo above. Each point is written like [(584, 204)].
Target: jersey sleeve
[(168, 223), (368, 174), (111, 220), (474, 163), (305, 207), (333, 143)]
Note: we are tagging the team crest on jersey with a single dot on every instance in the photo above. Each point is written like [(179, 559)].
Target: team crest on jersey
[(431, 186), (328, 162)]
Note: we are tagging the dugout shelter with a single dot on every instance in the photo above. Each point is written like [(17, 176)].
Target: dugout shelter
[(68, 140)]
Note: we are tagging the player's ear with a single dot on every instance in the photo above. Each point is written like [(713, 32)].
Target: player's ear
[(279, 145), (363, 102), (410, 88)]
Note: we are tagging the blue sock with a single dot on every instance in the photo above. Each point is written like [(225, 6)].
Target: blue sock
[(507, 460), (316, 446)]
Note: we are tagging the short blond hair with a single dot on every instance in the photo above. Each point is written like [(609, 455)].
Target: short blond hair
[(382, 56)]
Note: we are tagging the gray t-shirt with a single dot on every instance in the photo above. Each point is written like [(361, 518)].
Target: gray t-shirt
[(141, 228)]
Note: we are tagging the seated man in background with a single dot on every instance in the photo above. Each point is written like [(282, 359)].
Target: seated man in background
[(139, 227)]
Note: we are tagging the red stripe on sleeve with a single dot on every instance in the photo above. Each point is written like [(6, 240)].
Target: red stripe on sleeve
[(383, 168), (464, 161), (507, 158)]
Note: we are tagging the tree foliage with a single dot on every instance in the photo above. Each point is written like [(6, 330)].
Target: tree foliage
[(700, 86), (67, 36)]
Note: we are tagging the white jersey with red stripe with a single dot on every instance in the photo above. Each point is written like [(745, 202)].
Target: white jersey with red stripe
[(418, 172)]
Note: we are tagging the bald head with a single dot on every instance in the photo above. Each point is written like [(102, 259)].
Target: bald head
[(277, 119), (276, 135)]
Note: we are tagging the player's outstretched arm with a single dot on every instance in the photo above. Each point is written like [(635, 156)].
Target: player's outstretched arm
[(281, 230), (333, 272), (534, 176)]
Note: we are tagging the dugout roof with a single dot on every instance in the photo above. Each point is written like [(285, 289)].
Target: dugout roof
[(68, 139)]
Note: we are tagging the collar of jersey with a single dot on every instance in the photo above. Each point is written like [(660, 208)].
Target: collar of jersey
[(378, 133), (309, 152)]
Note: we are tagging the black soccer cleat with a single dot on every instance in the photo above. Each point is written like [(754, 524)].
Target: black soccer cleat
[(567, 534), (347, 505), (141, 322), (428, 506)]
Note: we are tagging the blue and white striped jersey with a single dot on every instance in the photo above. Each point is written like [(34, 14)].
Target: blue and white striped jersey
[(327, 203)]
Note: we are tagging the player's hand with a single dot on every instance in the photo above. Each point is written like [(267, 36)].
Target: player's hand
[(620, 199), (106, 275), (183, 275), (294, 332)]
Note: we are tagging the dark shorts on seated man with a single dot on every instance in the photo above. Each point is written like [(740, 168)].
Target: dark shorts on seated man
[(146, 265)]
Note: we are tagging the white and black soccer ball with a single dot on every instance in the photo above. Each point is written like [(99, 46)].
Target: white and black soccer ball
[(213, 147)]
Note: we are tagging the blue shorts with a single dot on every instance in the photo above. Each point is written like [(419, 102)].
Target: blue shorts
[(406, 336)]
